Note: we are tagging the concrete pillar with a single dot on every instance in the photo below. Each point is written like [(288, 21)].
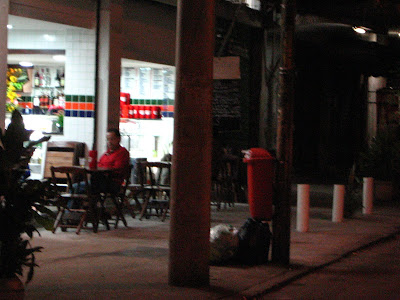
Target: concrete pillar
[(189, 246), (368, 195), (284, 144), (339, 191), (109, 69), (374, 84), (4, 8), (303, 207)]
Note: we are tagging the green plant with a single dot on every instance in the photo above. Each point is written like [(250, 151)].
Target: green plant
[(16, 78), (60, 120), (22, 201), (11, 106), (381, 160)]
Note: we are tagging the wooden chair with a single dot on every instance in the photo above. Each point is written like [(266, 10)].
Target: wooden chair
[(62, 153), (70, 202), (225, 186), (120, 199), (156, 190), (136, 190)]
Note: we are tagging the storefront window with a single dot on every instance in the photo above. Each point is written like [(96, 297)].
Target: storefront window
[(37, 92), (147, 108), (57, 95), (52, 80)]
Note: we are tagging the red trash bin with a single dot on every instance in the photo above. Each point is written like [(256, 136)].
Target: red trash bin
[(260, 177)]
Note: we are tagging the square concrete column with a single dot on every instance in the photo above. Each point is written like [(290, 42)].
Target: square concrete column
[(191, 161), (108, 69), (4, 8)]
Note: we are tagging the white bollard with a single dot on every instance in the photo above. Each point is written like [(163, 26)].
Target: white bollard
[(368, 195), (303, 207), (338, 202)]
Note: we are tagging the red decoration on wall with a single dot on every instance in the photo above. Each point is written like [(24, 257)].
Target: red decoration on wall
[(141, 112)]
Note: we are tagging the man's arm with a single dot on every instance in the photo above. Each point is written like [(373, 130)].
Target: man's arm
[(122, 159)]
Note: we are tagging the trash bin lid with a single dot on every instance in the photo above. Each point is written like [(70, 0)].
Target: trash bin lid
[(256, 153)]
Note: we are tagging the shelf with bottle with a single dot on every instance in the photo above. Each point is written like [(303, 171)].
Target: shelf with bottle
[(48, 101), (42, 77), (48, 90)]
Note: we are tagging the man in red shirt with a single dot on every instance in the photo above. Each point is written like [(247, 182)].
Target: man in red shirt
[(116, 157)]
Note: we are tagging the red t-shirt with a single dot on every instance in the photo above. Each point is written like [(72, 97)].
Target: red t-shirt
[(118, 159)]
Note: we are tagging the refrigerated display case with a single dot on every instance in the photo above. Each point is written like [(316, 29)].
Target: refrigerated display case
[(150, 139)]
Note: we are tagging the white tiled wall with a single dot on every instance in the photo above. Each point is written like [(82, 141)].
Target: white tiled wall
[(80, 64), (79, 129), (80, 80), (34, 39)]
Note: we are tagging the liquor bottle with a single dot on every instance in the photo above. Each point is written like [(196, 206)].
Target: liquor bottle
[(58, 79), (36, 101), (41, 78), (61, 100), (47, 78), (36, 80), (62, 79), (55, 101), (41, 99)]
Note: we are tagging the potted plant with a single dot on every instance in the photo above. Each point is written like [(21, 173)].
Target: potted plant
[(22, 207), (381, 160)]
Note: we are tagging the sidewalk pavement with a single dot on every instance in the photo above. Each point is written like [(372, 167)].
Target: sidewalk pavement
[(132, 263)]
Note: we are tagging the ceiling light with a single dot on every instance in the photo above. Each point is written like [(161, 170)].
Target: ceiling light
[(50, 38), (59, 57), (9, 26), (26, 64), (359, 30)]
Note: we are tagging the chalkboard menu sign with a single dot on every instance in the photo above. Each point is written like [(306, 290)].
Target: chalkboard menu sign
[(226, 105)]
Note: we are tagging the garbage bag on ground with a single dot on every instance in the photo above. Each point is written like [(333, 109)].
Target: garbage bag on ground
[(254, 241), (224, 243)]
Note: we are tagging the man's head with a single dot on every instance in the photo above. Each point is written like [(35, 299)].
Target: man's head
[(113, 139)]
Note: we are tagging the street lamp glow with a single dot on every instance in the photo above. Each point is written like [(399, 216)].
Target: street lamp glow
[(359, 30)]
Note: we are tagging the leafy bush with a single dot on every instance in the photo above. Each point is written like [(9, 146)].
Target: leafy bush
[(381, 160), (22, 201)]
